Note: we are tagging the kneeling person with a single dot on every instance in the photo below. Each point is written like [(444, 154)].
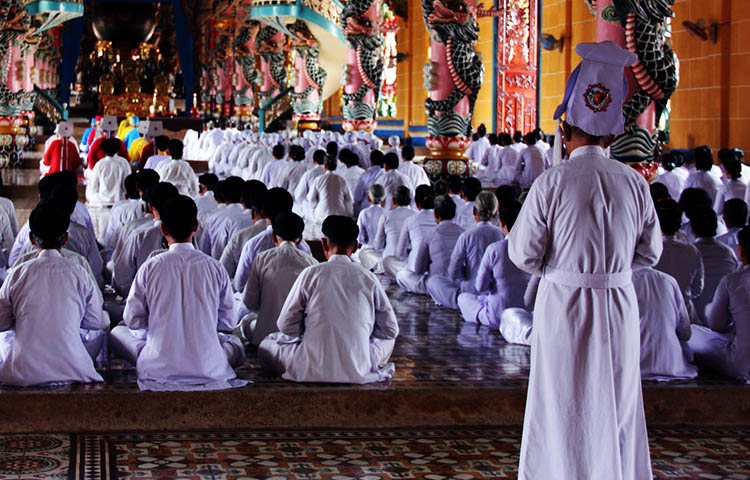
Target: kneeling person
[(337, 324), (42, 341), (177, 313)]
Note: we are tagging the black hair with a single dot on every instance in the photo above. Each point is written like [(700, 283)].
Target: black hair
[(319, 157), (209, 180), (332, 148), (390, 160), (288, 226), (296, 153), (131, 187), (506, 139), (275, 201), (743, 239), (704, 159), (252, 192), (407, 152), (146, 179), (659, 192), (176, 148), (455, 184), (506, 193), (492, 137), (733, 168), (348, 157), (232, 189), (340, 231), (445, 207), (668, 161), (424, 196), (278, 151), (517, 136), (402, 196), (508, 213), (694, 198), (704, 222), (110, 146), (48, 224), (376, 158), (331, 163), (158, 195), (471, 188), (481, 130), (179, 215), (670, 216), (735, 212), (161, 143)]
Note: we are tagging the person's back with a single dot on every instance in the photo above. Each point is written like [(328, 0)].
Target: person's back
[(533, 164), (178, 172), (106, 184), (665, 326), (440, 243), (368, 221), (330, 194), (392, 222)]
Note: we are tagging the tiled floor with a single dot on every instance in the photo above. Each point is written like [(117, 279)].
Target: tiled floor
[(429, 454)]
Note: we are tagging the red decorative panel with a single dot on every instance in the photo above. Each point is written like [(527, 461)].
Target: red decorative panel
[(517, 64)]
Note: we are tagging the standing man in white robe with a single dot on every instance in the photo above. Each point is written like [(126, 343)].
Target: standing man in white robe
[(106, 184), (178, 315), (413, 172), (584, 227), (357, 332)]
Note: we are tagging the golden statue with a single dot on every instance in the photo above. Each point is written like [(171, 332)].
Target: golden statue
[(131, 76), (161, 85), (107, 84)]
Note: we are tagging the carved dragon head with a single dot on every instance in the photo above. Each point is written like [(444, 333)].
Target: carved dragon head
[(452, 19)]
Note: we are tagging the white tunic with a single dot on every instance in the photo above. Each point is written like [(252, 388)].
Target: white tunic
[(391, 180), (467, 254), (259, 243), (329, 195), (389, 229), (180, 174), (122, 213), (362, 189), (730, 190), (290, 176), (8, 210), (674, 181), (705, 181), (718, 261), (135, 251), (415, 228), (47, 347), (206, 203), (106, 184), (235, 217), (584, 240), (512, 165), (271, 278), (368, 221), (683, 262), (414, 173), (665, 326), (334, 338), (183, 298), (730, 239), (433, 252), (351, 175), (534, 163), (230, 257), (154, 161)]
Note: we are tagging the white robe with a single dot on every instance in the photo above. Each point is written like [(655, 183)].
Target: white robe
[(674, 181), (329, 195), (180, 174), (344, 341), (271, 278), (534, 163), (665, 327), (230, 257), (430, 258), (183, 298), (683, 262), (106, 184), (259, 243), (718, 261), (122, 213), (584, 240), (414, 173), (47, 347), (136, 250), (730, 190), (389, 229)]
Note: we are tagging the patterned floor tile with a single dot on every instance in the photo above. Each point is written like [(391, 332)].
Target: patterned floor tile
[(34, 456), (426, 454)]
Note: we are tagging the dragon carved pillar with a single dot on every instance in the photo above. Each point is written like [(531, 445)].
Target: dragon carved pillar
[(309, 79), (270, 45), (363, 73), (245, 72), (641, 26), (453, 77)]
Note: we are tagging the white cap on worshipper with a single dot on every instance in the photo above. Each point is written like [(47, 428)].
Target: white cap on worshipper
[(394, 141), (151, 128), (109, 123), (64, 129), (595, 92)]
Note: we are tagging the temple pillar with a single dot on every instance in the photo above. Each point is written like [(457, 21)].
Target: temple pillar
[(309, 79)]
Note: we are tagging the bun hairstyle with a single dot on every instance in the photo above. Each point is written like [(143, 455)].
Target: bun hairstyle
[(485, 206)]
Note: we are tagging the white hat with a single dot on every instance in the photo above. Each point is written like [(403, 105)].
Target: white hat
[(109, 123), (596, 89), (64, 129)]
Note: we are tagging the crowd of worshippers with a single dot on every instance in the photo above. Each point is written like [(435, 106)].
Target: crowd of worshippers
[(205, 270)]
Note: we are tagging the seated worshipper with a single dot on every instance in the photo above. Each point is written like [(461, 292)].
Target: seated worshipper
[(80, 212), (433, 252), (479, 146), (455, 187), (253, 196), (272, 276), (140, 243), (679, 259), (534, 161), (691, 201), (179, 314), (129, 215), (465, 213), (734, 186), (178, 172), (161, 143), (672, 178), (107, 129), (329, 195), (301, 207), (368, 179), (206, 202), (228, 195), (268, 175), (346, 341), (368, 222), (499, 282), (389, 229), (735, 218), (718, 259), (724, 344), (290, 175), (353, 171), (490, 163), (39, 348), (508, 193), (510, 160), (463, 268), (414, 229), (106, 184), (275, 201), (62, 154), (659, 192), (413, 172), (665, 327), (702, 177), (516, 324), (392, 178), (234, 220)]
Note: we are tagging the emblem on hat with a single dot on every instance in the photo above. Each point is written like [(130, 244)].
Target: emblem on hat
[(597, 97)]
